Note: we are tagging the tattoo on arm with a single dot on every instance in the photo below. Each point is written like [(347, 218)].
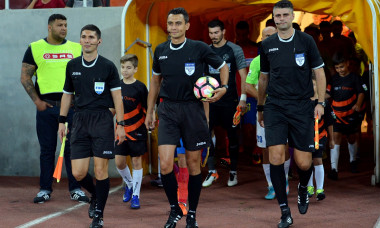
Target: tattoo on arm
[(27, 72)]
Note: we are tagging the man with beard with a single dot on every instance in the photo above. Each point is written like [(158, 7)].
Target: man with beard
[(222, 111)]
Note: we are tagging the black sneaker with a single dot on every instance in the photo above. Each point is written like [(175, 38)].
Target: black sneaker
[(97, 222), (333, 174), (354, 167), (320, 194), (79, 196), (41, 197), (92, 208), (174, 216), (157, 182), (191, 222), (286, 218), (303, 199)]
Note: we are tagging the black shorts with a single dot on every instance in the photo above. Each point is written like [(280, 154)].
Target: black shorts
[(186, 120), (347, 129), (133, 148), (92, 134), (222, 116), (322, 145), (291, 120)]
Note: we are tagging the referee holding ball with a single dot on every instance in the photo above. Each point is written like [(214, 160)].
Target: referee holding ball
[(177, 65)]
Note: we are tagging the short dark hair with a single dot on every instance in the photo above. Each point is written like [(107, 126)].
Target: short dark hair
[(54, 17), (216, 23), (325, 24), (242, 25), (339, 58), (270, 22), (296, 26), (283, 4), (180, 10), (94, 28), (337, 23), (131, 58)]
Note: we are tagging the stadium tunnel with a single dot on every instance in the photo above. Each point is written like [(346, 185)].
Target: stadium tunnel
[(144, 24)]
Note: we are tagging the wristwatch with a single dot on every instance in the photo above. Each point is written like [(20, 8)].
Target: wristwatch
[(121, 123), (225, 86), (322, 103)]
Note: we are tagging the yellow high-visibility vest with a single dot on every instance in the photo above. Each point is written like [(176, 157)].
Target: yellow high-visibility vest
[(51, 61)]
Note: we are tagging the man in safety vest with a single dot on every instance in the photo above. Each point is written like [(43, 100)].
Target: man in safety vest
[(47, 59)]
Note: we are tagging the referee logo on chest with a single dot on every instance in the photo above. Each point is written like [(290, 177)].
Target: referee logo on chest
[(300, 59), (99, 87), (189, 68)]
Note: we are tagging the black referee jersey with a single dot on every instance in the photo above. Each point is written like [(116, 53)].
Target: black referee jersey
[(180, 67), (233, 55), (289, 64), (91, 83)]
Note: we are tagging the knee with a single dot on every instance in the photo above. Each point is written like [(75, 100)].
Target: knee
[(78, 175), (100, 173), (166, 167), (304, 165), (276, 159), (120, 164)]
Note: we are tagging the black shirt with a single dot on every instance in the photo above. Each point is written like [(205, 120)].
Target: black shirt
[(135, 97), (181, 65), (233, 55), (28, 58), (92, 86), (289, 64)]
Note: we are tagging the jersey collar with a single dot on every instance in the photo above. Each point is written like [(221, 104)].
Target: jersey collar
[(287, 40), (181, 46)]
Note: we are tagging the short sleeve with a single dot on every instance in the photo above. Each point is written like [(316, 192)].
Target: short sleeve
[(28, 57), (156, 65), (254, 71), (114, 78), (264, 63), (240, 58), (359, 84), (68, 88)]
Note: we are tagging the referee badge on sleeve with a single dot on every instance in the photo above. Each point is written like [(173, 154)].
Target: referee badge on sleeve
[(300, 59), (99, 87), (189, 68)]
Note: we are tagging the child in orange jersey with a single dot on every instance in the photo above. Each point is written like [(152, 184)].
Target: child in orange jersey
[(347, 92), (135, 96)]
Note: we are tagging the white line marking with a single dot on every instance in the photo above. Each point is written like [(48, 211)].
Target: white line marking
[(56, 214)]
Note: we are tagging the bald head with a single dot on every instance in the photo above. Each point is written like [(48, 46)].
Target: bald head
[(267, 32)]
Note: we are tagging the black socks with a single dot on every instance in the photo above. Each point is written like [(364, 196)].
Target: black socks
[(277, 174)]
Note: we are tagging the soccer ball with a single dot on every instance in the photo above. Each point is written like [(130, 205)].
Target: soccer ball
[(204, 86)]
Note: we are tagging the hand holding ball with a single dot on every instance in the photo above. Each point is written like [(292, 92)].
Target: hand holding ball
[(204, 86)]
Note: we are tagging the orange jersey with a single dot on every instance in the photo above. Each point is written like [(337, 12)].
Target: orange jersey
[(135, 103)]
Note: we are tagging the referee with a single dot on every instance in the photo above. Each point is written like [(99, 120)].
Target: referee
[(94, 82), (177, 64), (289, 57)]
